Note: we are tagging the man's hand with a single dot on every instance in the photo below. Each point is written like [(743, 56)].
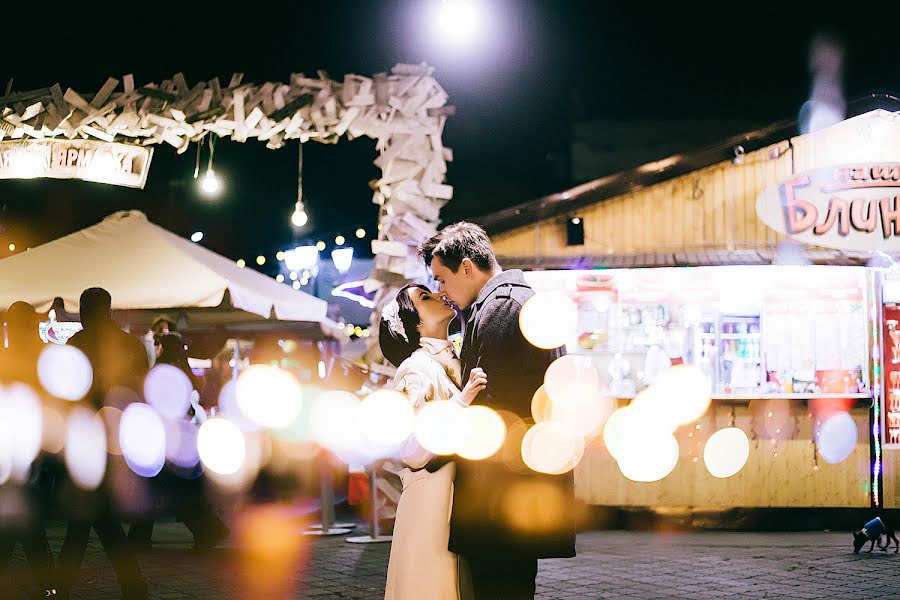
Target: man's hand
[(477, 382)]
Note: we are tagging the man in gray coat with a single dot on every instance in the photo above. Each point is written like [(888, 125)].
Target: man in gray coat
[(505, 516)]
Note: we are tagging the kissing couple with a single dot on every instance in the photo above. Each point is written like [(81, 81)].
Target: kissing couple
[(471, 529)]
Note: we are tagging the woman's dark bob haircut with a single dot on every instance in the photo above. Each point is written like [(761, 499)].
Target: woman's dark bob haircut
[(393, 346)]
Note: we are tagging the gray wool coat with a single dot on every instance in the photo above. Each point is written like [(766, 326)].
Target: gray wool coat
[(500, 506)]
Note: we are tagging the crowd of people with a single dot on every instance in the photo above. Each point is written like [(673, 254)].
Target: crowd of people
[(120, 363)]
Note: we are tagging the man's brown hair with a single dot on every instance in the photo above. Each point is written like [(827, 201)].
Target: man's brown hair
[(456, 242)]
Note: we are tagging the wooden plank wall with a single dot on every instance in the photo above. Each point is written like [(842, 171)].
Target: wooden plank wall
[(714, 207), (788, 479)]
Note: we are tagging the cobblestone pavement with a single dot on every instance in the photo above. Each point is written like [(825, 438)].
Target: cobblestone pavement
[(610, 564)]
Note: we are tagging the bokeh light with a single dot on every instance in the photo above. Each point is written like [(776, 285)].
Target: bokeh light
[(615, 429), (679, 395), (332, 421), (548, 319), (836, 437), (726, 452), (20, 411), (487, 433), (269, 549), (269, 396), (142, 438), (442, 427), (85, 454), (181, 443), (649, 457), (552, 448), (385, 420), (572, 378), (53, 438), (221, 446), (168, 389), (65, 372)]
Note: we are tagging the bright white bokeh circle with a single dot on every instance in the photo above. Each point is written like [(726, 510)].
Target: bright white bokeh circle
[(552, 448), (65, 372), (548, 319), (647, 458), (168, 389), (442, 427), (269, 396), (836, 437), (726, 452), (142, 438), (221, 446), (488, 433)]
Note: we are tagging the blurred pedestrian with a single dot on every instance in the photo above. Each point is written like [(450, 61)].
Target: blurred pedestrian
[(18, 366), (118, 360), (191, 504)]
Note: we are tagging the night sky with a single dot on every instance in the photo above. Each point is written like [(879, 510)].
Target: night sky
[(534, 70)]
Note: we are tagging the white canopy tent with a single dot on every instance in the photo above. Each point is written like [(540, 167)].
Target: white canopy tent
[(148, 269)]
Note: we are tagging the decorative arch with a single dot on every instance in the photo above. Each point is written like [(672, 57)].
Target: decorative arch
[(404, 112)]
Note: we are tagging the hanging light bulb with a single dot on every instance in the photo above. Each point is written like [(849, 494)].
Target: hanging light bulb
[(299, 218), (210, 182)]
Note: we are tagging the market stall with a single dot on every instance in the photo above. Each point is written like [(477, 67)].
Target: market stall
[(788, 304)]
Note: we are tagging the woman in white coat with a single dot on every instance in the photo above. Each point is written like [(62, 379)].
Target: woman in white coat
[(413, 336)]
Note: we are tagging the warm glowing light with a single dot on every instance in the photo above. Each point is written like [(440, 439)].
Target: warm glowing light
[(548, 319), (65, 372), (360, 233), (320, 246), (649, 457), (241, 263), (85, 454), (296, 285), (385, 421), (836, 437), (487, 433), (269, 396), (210, 183), (339, 240), (572, 378), (576, 221), (726, 452), (618, 425), (332, 421), (142, 438), (552, 448), (196, 236), (12, 247), (279, 278), (168, 390), (221, 446), (321, 369), (293, 275), (279, 255), (442, 427), (678, 396), (53, 439), (260, 260)]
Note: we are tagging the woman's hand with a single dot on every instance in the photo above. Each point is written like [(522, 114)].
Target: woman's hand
[(477, 382)]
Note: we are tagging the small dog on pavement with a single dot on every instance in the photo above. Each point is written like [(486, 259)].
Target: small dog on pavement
[(872, 532)]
